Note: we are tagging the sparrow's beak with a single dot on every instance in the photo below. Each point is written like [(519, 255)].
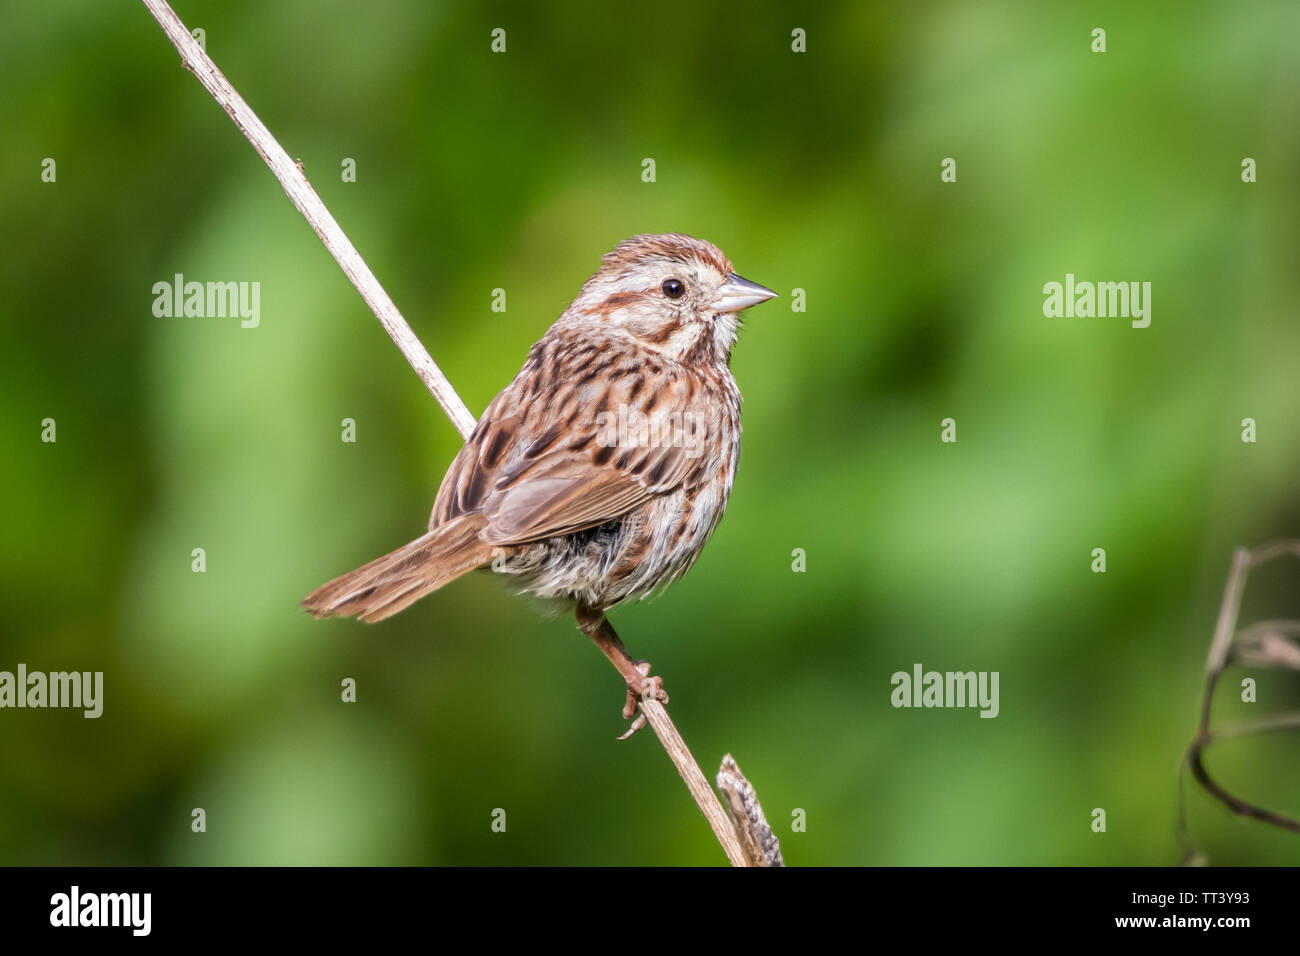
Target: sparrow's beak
[(736, 293)]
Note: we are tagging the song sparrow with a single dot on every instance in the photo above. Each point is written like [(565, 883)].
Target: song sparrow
[(599, 472)]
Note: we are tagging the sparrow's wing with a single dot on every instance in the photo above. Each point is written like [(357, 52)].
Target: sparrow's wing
[(582, 436)]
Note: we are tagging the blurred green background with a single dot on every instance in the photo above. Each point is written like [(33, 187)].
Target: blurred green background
[(817, 171)]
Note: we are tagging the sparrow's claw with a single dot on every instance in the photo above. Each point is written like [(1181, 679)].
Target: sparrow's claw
[(637, 724), (643, 688)]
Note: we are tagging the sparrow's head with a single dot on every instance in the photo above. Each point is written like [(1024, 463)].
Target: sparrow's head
[(672, 293)]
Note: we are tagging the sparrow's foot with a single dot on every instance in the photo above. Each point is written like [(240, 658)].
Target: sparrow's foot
[(641, 687)]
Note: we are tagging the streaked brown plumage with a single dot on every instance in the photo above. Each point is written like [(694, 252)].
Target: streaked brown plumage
[(598, 474)]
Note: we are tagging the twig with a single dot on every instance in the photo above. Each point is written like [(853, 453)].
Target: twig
[(761, 845), (1262, 644), (1226, 625), (680, 754), (303, 196)]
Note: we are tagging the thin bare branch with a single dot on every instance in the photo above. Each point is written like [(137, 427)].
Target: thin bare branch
[(759, 842), (1263, 644), (1234, 803), (680, 754), (1245, 728), (1274, 550), (303, 196), (1228, 611)]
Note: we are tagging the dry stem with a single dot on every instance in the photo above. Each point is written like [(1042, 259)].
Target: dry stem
[(759, 842), (302, 195), (1263, 644)]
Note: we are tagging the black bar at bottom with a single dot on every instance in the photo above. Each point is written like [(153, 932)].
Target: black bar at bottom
[(304, 905)]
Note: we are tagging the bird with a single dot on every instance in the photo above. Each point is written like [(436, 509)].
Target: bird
[(597, 475)]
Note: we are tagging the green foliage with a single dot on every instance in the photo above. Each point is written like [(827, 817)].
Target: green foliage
[(818, 171)]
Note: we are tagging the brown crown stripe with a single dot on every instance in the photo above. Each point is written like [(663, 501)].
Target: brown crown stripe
[(673, 245)]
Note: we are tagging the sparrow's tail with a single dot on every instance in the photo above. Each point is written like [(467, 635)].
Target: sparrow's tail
[(389, 584)]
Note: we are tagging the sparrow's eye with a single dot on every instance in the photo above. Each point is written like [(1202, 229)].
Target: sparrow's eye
[(673, 288)]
